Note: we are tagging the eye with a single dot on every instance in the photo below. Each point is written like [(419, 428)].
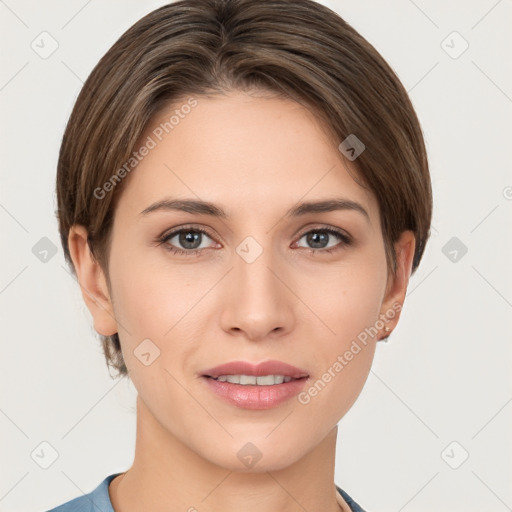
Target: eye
[(320, 237), (189, 238)]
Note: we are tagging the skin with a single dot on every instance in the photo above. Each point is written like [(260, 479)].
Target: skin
[(256, 157)]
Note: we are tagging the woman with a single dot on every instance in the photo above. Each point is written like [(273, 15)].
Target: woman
[(243, 194)]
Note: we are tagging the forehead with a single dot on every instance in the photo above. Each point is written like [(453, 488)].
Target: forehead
[(242, 152)]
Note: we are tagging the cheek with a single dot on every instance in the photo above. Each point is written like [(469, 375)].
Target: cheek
[(155, 312), (149, 299), (163, 305), (347, 299), (349, 307), (352, 304)]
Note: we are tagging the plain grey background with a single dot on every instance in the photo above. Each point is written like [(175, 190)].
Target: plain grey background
[(431, 429)]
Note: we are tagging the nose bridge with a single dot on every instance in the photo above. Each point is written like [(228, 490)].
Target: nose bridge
[(253, 264), (258, 300)]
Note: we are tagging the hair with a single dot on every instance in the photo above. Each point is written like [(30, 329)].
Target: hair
[(298, 50)]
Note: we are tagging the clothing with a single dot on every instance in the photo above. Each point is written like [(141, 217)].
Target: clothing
[(350, 502), (98, 500)]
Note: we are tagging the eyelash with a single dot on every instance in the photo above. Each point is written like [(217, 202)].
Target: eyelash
[(345, 240)]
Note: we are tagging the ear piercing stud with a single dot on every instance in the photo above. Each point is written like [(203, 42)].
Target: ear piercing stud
[(387, 331)]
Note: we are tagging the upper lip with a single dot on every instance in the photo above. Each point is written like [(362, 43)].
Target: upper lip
[(265, 368)]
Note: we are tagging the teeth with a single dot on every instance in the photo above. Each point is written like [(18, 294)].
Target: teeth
[(264, 380)]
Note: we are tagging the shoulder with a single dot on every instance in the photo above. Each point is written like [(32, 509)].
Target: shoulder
[(351, 503), (98, 500)]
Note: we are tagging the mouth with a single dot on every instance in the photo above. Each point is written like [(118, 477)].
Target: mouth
[(255, 386)]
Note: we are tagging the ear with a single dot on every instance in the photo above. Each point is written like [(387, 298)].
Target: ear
[(396, 287), (92, 282)]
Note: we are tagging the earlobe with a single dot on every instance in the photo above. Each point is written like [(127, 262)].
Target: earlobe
[(92, 282), (397, 284)]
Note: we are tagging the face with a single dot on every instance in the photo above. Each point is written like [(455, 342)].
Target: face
[(266, 281)]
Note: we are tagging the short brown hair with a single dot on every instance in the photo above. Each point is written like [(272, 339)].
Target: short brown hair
[(300, 50)]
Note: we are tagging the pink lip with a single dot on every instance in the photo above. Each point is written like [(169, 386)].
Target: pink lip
[(253, 396), (265, 368)]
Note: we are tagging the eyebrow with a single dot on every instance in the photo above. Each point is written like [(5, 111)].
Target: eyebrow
[(207, 208)]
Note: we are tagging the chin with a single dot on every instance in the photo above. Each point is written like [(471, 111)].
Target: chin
[(254, 454)]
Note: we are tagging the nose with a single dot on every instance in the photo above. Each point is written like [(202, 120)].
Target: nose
[(257, 301)]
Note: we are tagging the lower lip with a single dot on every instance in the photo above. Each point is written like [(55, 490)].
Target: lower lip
[(256, 397)]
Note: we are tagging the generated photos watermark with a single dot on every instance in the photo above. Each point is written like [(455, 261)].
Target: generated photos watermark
[(343, 360), (150, 143)]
